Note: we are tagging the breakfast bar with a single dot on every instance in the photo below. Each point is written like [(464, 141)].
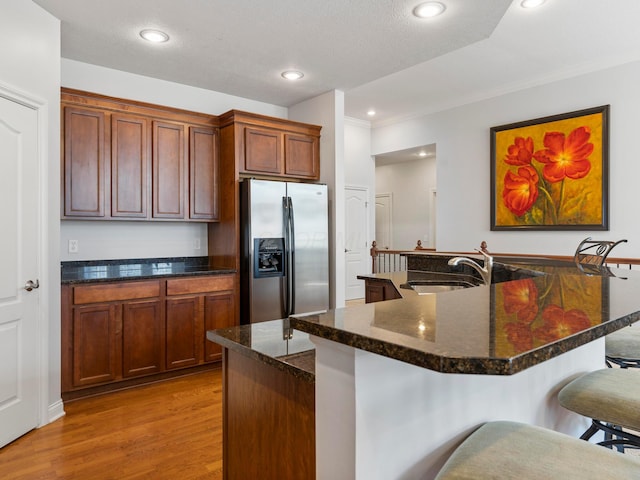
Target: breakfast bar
[(399, 384)]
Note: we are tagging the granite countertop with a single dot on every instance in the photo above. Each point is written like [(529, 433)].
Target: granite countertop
[(136, 269), (500, 329), (274, 343)]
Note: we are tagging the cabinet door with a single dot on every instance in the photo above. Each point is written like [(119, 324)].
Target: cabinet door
[(168, 170), (373, 293), (129, 166), (184, 329), (301, 156), (142, 338), (84, 163), (203, 173), (218, 313), (262, 150), (96, 351)]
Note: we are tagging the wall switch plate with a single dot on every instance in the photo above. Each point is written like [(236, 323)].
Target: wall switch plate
[(73, 246), (196, 244)]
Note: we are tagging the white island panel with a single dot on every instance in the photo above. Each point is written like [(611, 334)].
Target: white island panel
[(379, 418)]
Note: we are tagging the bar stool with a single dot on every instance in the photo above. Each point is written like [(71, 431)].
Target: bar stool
[(591, 254), (515, 451), (622, 348), (611, 398)]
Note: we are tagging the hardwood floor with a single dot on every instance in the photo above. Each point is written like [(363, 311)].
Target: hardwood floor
[(168, 430)]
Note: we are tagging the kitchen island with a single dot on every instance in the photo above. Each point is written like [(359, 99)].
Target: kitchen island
[(399, 384), (268, 402)]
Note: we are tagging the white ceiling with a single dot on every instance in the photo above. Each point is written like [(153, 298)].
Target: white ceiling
[(374, 50)]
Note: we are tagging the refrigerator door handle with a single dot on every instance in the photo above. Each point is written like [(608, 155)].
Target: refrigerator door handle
[(292, 281), (287, 259)]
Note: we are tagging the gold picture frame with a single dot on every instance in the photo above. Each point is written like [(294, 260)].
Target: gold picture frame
[(551, 173)]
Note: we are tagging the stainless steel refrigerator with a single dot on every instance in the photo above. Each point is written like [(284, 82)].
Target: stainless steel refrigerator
[(285, 249)]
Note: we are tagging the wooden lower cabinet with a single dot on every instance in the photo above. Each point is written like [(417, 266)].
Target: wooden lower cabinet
[(379, 291), (96, 352), (218, 313), (184, 331), (121, 331), (142, 338)]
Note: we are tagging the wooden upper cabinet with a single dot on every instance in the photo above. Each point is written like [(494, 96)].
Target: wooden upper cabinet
[(168, 170), (84, 163), (262, 150), (129, 160), (273, 147), (301, 156), (129, 166), (203, 173)]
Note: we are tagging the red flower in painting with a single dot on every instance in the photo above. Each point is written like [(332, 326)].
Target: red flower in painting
[(521, 190), (521, 152), (565, 157), (521, 298), (519, 335), (559, 324)]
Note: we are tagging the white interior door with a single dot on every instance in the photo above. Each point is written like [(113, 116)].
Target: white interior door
[(19, 309), (384, 220), (356, 241)]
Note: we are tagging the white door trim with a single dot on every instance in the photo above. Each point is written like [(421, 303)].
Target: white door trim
[(433, 210), (46, 413)]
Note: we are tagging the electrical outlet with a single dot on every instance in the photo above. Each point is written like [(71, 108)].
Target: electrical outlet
[(73, 246), (196, 244)]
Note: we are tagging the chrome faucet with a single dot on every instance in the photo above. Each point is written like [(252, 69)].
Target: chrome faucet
[(485, 272)]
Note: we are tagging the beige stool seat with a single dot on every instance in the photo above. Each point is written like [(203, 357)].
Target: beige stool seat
[(623, 347), (509, 450), (611, 397)]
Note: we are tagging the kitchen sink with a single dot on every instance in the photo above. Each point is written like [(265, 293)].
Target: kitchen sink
[(427, 287)]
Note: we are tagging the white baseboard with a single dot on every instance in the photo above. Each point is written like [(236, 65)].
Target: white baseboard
[(54, 412)]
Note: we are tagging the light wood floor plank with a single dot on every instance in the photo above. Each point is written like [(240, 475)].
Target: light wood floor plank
[(168, 430)]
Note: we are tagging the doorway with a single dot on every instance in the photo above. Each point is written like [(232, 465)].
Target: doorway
[(384, 220), (19, 257), (357, 239)]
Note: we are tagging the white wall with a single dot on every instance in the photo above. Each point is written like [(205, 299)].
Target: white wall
[(410, 184), (115, 240), (327, 110), (30, 64), (112, 240), (359, 165), (462, 138)]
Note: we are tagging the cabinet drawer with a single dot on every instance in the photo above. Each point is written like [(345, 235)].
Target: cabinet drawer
[(115, 291), (180, 286)]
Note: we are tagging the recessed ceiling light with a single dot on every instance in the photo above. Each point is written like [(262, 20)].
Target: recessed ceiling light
[(371, 112), (155, 36), (292, 75), (429, 9), (531, 3), (422, 154)]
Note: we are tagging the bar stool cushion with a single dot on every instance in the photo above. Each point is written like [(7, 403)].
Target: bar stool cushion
[(624, 343), (515, 451), (611, 395)]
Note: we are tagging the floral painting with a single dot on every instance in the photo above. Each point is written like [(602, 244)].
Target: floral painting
[(551, 173)]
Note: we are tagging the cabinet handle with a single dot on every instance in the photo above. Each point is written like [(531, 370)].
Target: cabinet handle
[(30, 285)]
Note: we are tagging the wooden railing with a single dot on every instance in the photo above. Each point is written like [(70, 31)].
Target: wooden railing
[(384, 260)]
